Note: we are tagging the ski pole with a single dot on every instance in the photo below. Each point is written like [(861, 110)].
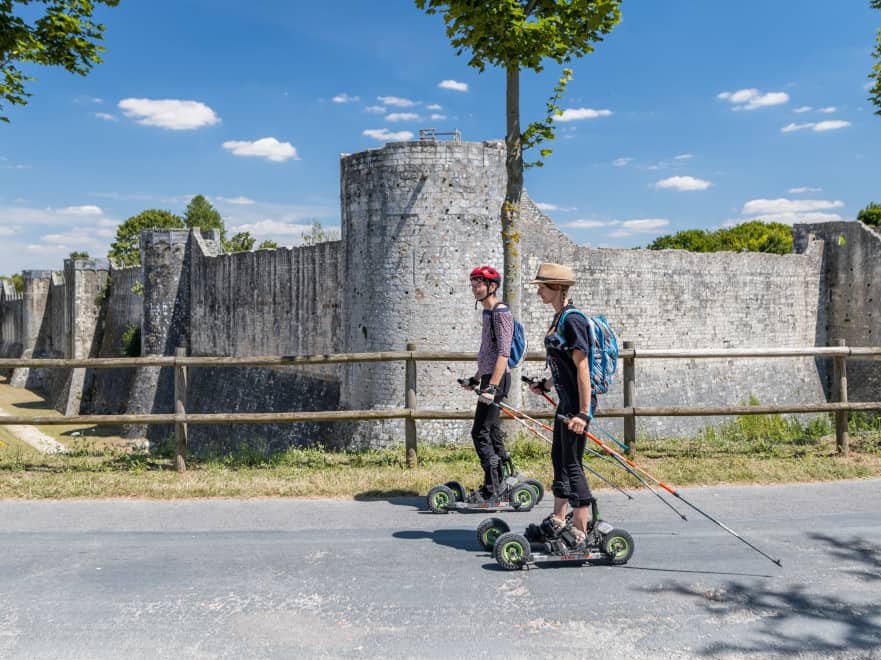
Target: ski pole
[(544, 393), (617, 462), (522, 422), (675, 494)]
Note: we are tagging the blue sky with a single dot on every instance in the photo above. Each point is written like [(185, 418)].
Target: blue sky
[(689, 115)]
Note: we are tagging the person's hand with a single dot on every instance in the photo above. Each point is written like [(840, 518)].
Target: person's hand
[(487, 395), (576, 425), (538, 387)]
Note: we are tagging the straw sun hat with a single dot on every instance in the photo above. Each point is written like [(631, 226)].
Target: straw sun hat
[(549, 273)]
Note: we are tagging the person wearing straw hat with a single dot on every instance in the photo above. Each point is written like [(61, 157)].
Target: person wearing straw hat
[(567, 345)]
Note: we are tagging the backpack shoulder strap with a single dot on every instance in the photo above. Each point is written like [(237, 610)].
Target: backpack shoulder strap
[(492, 319), (566, 313)]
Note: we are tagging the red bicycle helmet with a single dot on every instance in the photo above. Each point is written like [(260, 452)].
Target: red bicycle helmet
[(487, 273)]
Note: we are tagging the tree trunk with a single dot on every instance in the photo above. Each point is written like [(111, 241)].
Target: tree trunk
[(510, 215)]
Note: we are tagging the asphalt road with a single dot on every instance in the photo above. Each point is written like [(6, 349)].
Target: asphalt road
[(319, 578)]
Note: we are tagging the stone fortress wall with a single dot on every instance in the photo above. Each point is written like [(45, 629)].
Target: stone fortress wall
[(415, 218)]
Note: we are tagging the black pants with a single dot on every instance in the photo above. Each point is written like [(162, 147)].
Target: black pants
[(487, 434), (567, 454)]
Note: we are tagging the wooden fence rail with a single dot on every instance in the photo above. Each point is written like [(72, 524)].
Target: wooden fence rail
[(629, 412)]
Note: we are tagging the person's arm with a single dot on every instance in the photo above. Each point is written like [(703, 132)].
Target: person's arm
[(582, 368)]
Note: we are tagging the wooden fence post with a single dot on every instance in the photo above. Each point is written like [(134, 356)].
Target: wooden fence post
[(410, 404), (839, 376), (180, 408), (629, 397)]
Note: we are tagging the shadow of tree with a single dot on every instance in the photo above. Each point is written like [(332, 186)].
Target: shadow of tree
[(793, 618), (858, 551)]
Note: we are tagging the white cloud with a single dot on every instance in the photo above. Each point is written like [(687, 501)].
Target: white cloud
[(683, 157), (9, 231), (453, 85), (375, 109), (543, 207), (434, 106), (238, 201), (81, 210), (803, 189), (169, 113), (273, 228), (574, 114), (828, 110), (396, 101), (622, 162), (752, 99), (589, 224), (105, 116), (281, 231), (437, 117), (345, 98), (385, 135), (683, 183), (803, 108), (402, 116), (783, 205), (624, 227), (645, 224), (790, 211), (819, 126), (267, 147)]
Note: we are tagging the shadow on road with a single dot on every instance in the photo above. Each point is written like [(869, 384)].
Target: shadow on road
[(398, 496), (855, 551), (460, 539), (794, 619)]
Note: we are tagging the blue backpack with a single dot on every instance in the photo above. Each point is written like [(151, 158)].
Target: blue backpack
[(603, 354), (518, 341)]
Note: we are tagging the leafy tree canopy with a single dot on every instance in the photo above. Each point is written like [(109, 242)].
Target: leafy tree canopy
[(317, 234), (267, 245), (16, 279), (524, 32), (871, 215), (79, 255), (125, 250), (241, 242), (755, 236), (201, 214), (63, 34)]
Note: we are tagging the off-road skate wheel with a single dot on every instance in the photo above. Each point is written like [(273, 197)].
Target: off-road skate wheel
[(512, 551), (618, 544), (523, 497), (535, 484), (489, 530), (458, 490), (440, 498)]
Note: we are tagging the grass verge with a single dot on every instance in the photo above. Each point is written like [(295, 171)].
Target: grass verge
[(99, 464)]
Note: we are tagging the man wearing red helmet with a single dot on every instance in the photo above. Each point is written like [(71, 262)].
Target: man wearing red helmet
[(494, 377)]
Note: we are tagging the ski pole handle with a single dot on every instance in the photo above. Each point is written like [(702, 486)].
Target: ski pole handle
[(471, 381), (536, 381)]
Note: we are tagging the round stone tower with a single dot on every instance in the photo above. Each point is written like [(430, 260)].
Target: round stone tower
[(416, 218)]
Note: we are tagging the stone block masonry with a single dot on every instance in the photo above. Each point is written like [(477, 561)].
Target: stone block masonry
[(415, 218)]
